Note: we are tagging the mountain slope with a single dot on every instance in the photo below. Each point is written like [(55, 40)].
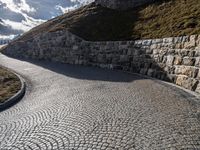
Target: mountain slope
[(19, 16), (164, 18)]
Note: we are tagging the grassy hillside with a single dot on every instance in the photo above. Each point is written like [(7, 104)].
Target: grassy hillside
[(164, 18), (9, 84)]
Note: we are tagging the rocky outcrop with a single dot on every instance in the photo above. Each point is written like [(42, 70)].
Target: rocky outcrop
[(122, 4), (172, 59)]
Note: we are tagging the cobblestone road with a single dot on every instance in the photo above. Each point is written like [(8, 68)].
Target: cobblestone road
[(73, 107)]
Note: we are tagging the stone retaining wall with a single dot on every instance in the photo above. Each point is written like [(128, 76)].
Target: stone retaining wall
[(172, 59)]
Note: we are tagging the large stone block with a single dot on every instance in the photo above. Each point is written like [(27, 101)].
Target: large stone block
[(186, 82), (75, 47), (198, 88), (187, 70), (130, 51), (143, 71), (148, 51), (188, 61), (115, 59), (150, 72), (183, 52), (169, 69), (191, 43), (156, 51), (178, 39), (169, 40), (192, 53), (179, 45), (157, 41), (198, 41), (170, 60), (124, 58), (178, 60), (147, 42), (101, 58), (171, 77), (197, 62)]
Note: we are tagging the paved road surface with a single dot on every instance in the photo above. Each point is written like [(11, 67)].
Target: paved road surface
[(73, 107)]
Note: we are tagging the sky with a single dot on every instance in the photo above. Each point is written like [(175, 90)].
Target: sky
[(19, 16)]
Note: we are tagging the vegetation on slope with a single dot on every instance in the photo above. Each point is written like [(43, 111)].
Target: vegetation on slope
[(165, 18), (9, 84)]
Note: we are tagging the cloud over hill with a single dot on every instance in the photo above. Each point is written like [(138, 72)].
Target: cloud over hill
[(19, 16)]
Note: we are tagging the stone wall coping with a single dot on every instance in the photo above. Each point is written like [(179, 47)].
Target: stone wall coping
[(173, 40), (141, 42)]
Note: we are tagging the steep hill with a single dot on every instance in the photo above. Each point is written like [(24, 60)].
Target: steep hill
[(164, 18), (18, 16)]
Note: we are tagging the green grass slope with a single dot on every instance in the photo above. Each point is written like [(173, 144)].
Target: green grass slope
[(165, 18), (9, 84)]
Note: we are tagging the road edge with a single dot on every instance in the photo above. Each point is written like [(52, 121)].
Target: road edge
[(193, 93)]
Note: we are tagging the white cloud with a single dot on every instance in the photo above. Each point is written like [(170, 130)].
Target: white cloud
[(20, 7), (24, 25), (29, 12), (66, 9), (82, 1), (6, 37), (17, 6), (75, 6), (16, 25)]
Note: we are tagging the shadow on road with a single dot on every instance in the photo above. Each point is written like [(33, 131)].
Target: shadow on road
[(99, 74), (85, 72)]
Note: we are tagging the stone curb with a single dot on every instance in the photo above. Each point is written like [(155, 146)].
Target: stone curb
[(15, 98), (191, 94)]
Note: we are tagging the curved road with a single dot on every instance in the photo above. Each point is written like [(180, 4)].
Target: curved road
[(73, 107)]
